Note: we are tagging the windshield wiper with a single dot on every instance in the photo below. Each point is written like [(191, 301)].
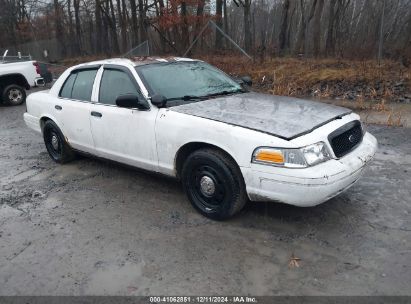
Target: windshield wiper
[(195, 97), (186, 98), (225, 92)]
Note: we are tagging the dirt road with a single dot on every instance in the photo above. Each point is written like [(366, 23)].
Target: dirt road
[(93, 227)]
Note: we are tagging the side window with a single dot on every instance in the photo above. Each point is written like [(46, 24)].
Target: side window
[(83, 85), (115, 83), (79, 85), (68, 86)]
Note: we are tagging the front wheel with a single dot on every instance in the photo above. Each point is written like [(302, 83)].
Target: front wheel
[(214, 184), (56, 145), (14, 95)]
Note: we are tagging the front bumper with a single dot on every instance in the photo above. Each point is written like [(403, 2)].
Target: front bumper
[(309, 186)]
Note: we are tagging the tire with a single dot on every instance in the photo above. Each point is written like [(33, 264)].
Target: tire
[(214, 184), (56, 145), (14, 95)]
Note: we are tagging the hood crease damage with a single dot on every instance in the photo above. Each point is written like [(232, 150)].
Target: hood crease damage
[(284, 117)]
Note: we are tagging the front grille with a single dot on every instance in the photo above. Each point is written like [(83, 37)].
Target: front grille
[(346, 138)]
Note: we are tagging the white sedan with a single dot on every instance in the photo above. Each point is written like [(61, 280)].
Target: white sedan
[(187, 119)]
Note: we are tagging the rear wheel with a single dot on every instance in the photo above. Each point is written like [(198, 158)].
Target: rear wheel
[(14, 95), (214, 184), (56, 145)]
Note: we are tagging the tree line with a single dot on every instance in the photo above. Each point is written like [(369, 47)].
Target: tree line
[(314, 28)]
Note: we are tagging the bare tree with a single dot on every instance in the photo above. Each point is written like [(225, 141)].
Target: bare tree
[(219, 22), (247, 25), (317, 27), (284, 42), (59, 28), (330, 41), (305, 21), (134, 26), (78, 26), (314, 27), (142, 21)]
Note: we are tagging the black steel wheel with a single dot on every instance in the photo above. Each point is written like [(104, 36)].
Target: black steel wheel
[(56, 144), (214, 184)]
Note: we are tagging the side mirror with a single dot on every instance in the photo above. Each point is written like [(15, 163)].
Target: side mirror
[(247, 80), (158, 100), (131, 101)]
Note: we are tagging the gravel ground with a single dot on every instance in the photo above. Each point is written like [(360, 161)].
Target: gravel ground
[(95, 228)]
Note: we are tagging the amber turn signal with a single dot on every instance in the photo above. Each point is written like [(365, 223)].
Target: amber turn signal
[(272, 156)]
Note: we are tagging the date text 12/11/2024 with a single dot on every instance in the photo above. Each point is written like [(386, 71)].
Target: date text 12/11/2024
[(203, 299)]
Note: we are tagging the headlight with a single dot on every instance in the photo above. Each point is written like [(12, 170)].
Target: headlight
[(316, 153), (292, 158)]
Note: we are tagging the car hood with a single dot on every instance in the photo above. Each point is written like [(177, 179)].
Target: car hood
[(284, 117)]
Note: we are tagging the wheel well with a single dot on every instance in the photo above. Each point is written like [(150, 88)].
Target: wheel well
[(43, 121), (17, 79), (189, 148)]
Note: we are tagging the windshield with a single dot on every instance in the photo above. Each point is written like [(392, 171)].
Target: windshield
[(186, 80)]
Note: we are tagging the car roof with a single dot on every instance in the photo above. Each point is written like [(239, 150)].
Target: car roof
[(137, 61), (148, 60)]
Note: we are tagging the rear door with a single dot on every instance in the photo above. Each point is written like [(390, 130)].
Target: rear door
[(73, 107), (120, 134)]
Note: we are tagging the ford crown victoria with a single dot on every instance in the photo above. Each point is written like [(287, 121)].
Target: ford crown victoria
[(187, 119)]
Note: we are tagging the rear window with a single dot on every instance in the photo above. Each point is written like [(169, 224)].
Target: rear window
[(79, 85)]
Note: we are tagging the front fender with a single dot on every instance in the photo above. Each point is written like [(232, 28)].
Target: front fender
[(175, 130)]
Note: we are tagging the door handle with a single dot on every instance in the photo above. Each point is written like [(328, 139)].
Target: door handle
[(57, 107), (96, 114)]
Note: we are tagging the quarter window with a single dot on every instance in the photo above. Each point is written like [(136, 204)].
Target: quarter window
[(115, 83), (68, 86), (79, 85)]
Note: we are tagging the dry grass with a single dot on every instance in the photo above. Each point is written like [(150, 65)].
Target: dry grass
[(323, 78), (394, 119)]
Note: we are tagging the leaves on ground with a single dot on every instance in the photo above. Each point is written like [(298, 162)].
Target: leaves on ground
[(294, 261)]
